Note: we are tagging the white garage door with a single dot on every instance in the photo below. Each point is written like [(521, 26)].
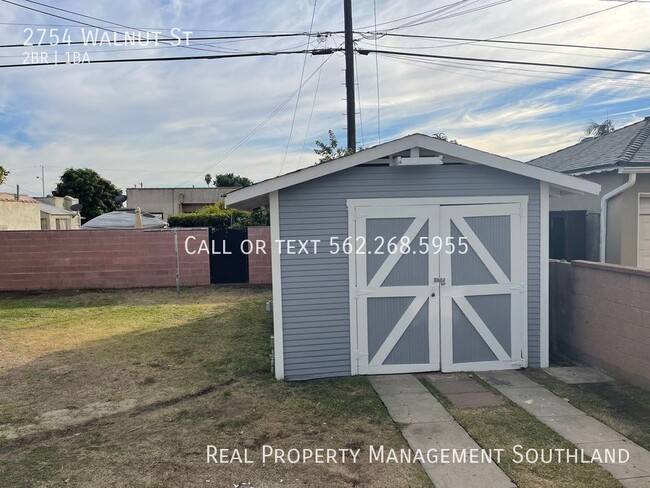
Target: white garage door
[(432, 281)]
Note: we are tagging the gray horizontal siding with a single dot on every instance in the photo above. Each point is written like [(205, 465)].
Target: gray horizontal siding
[(315, 288)]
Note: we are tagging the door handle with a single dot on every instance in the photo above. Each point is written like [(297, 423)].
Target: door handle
[(439, 280)]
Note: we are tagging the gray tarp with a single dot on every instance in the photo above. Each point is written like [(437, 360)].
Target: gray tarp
[(124, 219)]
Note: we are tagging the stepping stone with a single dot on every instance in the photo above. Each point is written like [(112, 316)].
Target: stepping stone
[(465, 392), (507, 378), (575, 375), (582, 428), (540, 402), (449, 387), (474, 400), (445, 377)]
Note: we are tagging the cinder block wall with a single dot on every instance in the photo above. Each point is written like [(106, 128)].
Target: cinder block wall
[(54, 260), (259, 263), (600, 315)]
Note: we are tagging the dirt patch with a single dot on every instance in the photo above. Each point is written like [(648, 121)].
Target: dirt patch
[(66, 418)]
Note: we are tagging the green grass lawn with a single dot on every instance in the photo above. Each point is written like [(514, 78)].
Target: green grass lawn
[(621, 406), (504, 426), (127, 388)]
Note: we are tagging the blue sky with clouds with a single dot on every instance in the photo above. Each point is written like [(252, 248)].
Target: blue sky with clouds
[(165, 124)]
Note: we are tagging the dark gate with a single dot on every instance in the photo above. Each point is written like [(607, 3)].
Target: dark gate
[(228, 263)]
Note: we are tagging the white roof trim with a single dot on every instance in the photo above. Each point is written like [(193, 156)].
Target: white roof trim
[(463, 153)]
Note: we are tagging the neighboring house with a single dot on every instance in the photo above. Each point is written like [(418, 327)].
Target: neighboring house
[(613, 226), (56, 213), (19, 212), (420, 255), (163, 202)]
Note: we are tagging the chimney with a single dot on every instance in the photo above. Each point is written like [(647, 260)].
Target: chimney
[(17, 192)]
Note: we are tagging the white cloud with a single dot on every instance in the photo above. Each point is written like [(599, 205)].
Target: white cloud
[(162, 123)]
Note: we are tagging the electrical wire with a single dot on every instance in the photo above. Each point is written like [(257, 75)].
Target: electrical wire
[(504, 61), (358, 84), (493, 40), (257, 128), (175, 58), (87, 24), (311, 114), (302, 76), (374, 11)]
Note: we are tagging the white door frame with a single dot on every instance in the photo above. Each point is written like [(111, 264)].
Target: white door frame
[(354, 205)]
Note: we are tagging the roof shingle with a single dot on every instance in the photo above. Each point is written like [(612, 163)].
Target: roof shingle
[(629, 145)]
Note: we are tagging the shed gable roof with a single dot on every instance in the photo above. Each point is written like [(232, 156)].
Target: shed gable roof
[(255, 195), (627, 146)]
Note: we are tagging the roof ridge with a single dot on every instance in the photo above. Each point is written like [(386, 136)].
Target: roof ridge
[(635, 144)]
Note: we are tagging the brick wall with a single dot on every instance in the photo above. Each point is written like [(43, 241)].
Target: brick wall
[(44, 260), (259, 264), (600, 315)]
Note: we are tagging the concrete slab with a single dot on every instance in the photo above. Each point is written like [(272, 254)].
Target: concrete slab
[(507, 378), (475, 400), (467, 386), (574, 425), (450, 435), (636, 482), (539, 401), (444, 377), (578, 374), (397, 384), (582, 428), (412, 408), (638, 466), (415, 408)]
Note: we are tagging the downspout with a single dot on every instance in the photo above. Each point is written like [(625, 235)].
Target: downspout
[(631, 180)]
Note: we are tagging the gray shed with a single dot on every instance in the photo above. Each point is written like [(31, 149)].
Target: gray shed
[(413, 255)]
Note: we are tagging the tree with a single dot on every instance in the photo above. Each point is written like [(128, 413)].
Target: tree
[(96, 194), (443, 137), (594, 129), (331, 150), (3, 175), (230, 179), (208, 179)]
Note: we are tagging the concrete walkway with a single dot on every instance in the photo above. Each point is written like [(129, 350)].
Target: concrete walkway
[(426, 425), (584, 431)]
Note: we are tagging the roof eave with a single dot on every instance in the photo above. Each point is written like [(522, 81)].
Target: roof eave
[(239, 198)]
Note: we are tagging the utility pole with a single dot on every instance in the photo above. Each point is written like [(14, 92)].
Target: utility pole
[(42, 178), (349, 75)]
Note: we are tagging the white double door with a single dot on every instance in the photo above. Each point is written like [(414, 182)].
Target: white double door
[(438, 287)]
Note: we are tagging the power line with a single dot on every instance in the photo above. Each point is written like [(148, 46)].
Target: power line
[(491, 40), (85, 23), (202, 38), (417, 15), (503, 61), (451, 15), (374, 10), (178, 58), (356, 72), (259, 126), (311, 114), (302, 76)]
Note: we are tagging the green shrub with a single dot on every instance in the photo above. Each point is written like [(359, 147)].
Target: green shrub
[(218, 217)]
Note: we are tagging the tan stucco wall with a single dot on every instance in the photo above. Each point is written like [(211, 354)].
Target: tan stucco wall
[(169, 201), (50, 220), (623, 211), (20, 216)]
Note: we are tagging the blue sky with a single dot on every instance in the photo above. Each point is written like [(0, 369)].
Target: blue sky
[(166, 124)]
